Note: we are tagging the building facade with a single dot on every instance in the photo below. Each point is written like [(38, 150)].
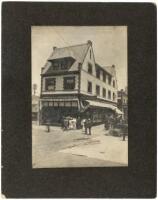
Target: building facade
[(73, 84), (123, 103)]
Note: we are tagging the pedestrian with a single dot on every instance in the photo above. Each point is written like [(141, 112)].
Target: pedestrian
[(83, 124), (48, 125), (88, 126), (62, 122), (78, 123), (106, 123)]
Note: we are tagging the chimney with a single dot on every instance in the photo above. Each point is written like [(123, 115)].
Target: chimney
[(54, 48), (89, 42)]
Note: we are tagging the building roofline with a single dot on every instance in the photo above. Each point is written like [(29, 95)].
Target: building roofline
[(104, 68), (71, 46)]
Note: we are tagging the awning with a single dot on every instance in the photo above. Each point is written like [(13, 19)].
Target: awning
[(119, 111), (105, 105), (100, 104)]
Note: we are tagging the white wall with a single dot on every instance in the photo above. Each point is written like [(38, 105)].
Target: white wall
[(85, 77)]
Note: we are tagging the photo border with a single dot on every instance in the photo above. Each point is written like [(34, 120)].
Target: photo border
[(19, 180)]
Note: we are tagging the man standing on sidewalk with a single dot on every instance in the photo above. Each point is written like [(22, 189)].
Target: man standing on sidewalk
[(88, 125)]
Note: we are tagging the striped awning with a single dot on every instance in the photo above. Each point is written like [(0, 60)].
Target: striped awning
[(105, 105), (101, 104)]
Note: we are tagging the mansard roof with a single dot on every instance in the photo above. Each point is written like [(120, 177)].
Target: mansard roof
[(77, 52)]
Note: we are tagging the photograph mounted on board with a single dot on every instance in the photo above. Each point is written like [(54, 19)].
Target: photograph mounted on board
[(79, 96)]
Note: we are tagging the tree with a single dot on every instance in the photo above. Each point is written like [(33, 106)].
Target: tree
[(34, 88)]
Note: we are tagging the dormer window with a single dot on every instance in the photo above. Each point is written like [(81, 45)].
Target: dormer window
[(109, 80), (104, 76), (98, 73), (89, 68)]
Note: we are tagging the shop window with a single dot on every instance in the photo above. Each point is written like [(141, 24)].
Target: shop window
[(104, 92), (98, 73), (69, 83), (55, 104), (61, 104), (51, 103), (89, 68), (109, 94), (50, 84), (45, 103), (109, 80), (89, 89), (74, 104), (68, 104), (97, 90)]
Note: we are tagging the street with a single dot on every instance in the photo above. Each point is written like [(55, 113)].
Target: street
[(72, 148)]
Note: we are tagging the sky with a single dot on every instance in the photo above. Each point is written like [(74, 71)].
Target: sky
[(109, 45)]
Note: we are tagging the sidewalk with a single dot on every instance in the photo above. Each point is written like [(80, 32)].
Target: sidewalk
[(73, 148)]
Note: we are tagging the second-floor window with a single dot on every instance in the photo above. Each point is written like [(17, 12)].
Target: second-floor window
[(89, 68), (97, 90), (104, 92), (89, 89), (109, 94), (69, 83), (50, 84), (114, 96), (113, 83)]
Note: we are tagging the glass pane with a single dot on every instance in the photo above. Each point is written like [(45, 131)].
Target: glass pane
[(55, 103), (61, 104), (68, 104), (51, 103), (74, 103)]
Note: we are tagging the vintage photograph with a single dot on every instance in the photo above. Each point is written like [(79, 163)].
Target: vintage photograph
[(79, 96)]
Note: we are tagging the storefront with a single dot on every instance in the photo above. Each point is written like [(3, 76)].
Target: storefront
[(53, 111)]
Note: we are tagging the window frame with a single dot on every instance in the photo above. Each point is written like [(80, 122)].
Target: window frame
[(113, 83), (109, 80), (91, 67), (104, 94), (98, 87), (67, 78), (109, 94), (89, 82), (104, 77), (98, 70), (46, 84)]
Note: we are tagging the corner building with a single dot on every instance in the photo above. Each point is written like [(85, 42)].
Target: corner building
[(73, 84)]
